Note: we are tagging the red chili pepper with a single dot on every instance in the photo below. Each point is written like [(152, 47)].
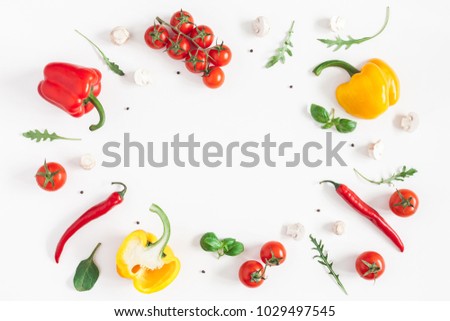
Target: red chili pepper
[(73, 88), (364, 209), (90, 215)]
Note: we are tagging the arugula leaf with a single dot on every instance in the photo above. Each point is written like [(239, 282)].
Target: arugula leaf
[(322, 258), (280, 56), (398, 176), (112, 65), (38, 136), (347, 43)]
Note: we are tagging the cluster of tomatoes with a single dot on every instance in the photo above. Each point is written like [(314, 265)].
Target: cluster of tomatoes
[(192, 44), (252, 273)]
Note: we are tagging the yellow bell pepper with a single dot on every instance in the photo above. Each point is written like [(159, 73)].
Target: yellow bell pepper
[(149, 262), (370, 92)]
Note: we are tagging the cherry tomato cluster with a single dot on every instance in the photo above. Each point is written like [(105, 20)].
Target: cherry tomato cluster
[(192, 44), (252, 273)]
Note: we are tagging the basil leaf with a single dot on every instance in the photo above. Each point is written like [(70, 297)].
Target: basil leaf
[(345, 126), (327, 125), (319, 114), (87, 273), (210, 243), (227, 243), (235, 249)]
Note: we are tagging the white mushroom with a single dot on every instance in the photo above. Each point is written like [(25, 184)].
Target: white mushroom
[(337, 24), (119, 35), (261, 26), (142, 77), (339, 228), (87, 161), (296, 231), (376, 150), (410, 122)]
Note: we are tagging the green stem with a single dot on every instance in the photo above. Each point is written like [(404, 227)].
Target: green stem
[(164, 239), (386, 20), (336, 185), (123, 191), (90, 41), (335, 63), (101, 111), (93, 252), (367, 179)]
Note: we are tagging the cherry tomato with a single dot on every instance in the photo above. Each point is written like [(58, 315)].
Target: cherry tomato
[(196, 61), (404, 202), (214, 77), (203, 36), (251, 274), (178, 47), (51, 176), (183, 21), (220, 55), (156, 36), (273, 253), (370, 265)]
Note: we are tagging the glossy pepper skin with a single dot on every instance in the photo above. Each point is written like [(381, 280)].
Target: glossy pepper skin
[(370, 91), (368, 212), (146, 260), (91, 214), (73, 88)]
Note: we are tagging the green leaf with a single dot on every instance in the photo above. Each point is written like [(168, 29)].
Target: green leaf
[(339, 42), (319, 114), (283, 49), (112, 66), (38, 136), (87, 273), (398, 176), (345, 126), (210, 243), (234, 249), (323, 260)]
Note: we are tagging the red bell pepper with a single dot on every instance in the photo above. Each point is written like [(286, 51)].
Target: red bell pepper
[(73, 88)]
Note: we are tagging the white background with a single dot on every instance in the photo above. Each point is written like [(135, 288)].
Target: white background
[(251, 205)]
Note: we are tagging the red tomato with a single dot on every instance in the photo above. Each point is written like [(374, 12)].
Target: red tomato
[(370, 265), (273, 253), (404, 202), (203, 36), (183, 21), (220, 55), (178, 47), (213, 77), (251, 274), (196, 61), (51, 176), (156, 37)]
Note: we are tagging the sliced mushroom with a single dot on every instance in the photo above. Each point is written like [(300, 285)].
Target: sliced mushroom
[(87, 161), (142, 77), (376, 150), (337, 24), (339, 228), (261, 26), (119, 35), (296, 231), (410, 122)]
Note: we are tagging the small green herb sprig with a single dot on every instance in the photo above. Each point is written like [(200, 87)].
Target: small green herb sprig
[(228, 246), (322, 258), (87, 273), (328, 120), (38, 136), (347, 43), (286, 48), (398, 176), (112, 66)]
